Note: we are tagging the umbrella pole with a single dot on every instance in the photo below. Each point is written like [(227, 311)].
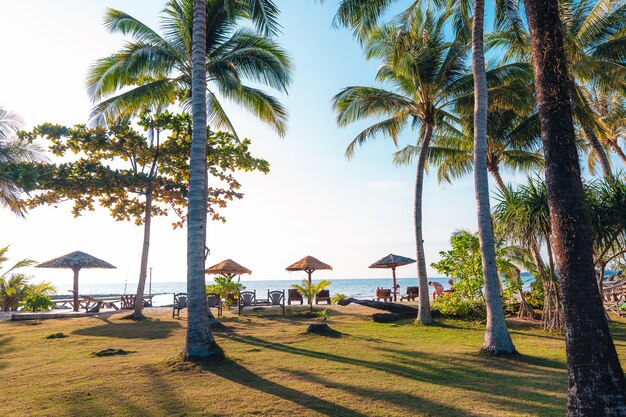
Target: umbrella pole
[(395, 290), (76, 288)]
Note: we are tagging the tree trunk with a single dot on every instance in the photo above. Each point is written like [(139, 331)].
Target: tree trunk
[(199, 342), (497, 338), (597, 386), (423, 316), (495, 173), (143, 269), (617, 150)]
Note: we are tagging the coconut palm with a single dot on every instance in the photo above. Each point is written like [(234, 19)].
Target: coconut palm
[(153, 70), (309, 290), (596, 380), (594, 35), (362, 16), (507, 149), (14, 150), (14, 285), (424, 72), (610, 108)]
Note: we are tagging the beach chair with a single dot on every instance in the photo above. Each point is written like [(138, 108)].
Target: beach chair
[(614, 298), (294, 295), (246, 299), (383, 294), (321, 296), (214, 300), (411, 294), (276, 298), (180, 302), (127, 302)]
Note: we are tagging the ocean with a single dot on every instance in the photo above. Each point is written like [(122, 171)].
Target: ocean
[(163, 291)]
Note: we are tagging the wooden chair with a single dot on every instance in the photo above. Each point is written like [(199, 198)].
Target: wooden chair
[(180, 302), (383, 294), (213, 300), (411, 294), (128, 302), (321, 296), (294, 295), (614, 298), (246, 299), (276, 298)]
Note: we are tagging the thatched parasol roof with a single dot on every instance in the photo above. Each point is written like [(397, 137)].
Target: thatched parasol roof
[(77, 260), (227, 267), (308, 263), (392, 261)]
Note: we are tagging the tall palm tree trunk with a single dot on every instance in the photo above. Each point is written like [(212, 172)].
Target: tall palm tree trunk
[(143, 269), (200, 342), (497, 338), (597, 386), (424, 315), (495, 173)]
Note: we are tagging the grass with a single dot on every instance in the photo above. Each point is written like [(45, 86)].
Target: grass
[(273, 368)]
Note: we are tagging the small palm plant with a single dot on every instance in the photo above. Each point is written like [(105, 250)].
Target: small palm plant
[(14, 286), (324, 315), (310, 290)]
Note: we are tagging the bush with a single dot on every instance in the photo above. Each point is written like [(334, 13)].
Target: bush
[(337, 297), (451, 305), (37, 302), (227, 289)]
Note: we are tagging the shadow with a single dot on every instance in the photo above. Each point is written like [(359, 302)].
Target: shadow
[(411, 403), (498, 378), (234, 372), (124, 329), (4, 349)]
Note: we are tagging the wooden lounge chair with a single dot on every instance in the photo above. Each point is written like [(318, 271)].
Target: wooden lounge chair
[(213, 300), (411, 294), (294, 295), (383, 294), (614, 298), (128, 302), (180, 302), (246, 299), (323, 295), (276, 298)]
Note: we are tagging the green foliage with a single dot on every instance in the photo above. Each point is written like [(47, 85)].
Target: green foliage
[(14, 286), (324, 315), (37, 302), (337, 297), (117, 166), (310, 290), (535, 296), (452, 305), (463, 263), (227, 289)]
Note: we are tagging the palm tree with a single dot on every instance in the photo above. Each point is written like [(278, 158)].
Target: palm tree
[(362, 16), (424, 71), (453, 152), (12, 151), (594, 34), (610, 108), (154, 70), (596, 380), (14, 285), (310, 290)]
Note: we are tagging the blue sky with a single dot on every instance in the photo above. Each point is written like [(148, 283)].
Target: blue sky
[(314, 201)]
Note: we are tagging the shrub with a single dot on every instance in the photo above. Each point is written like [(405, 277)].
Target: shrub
[(337, 297), (324, 315), (37, 302), (451, 305), (227, 289)]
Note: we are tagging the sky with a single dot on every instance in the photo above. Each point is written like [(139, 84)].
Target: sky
[(313, 202)]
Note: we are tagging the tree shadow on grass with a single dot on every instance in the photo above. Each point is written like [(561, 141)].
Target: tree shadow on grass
[(505, 382), (234, 372), (124, 329), (5, 348)]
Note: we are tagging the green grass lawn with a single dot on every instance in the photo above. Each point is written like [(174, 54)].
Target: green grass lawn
[(274, 369)]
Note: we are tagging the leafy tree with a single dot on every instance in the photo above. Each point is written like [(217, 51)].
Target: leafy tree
[(135, 176), (153, 70), (13, 150), (424, 72), (310, 290)]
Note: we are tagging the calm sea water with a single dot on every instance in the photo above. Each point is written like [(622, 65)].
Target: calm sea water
[(357, 288)]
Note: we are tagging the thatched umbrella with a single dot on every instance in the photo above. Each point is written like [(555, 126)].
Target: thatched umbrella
[(76, 261), (392, 262), (308, 264), (227, 267)]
